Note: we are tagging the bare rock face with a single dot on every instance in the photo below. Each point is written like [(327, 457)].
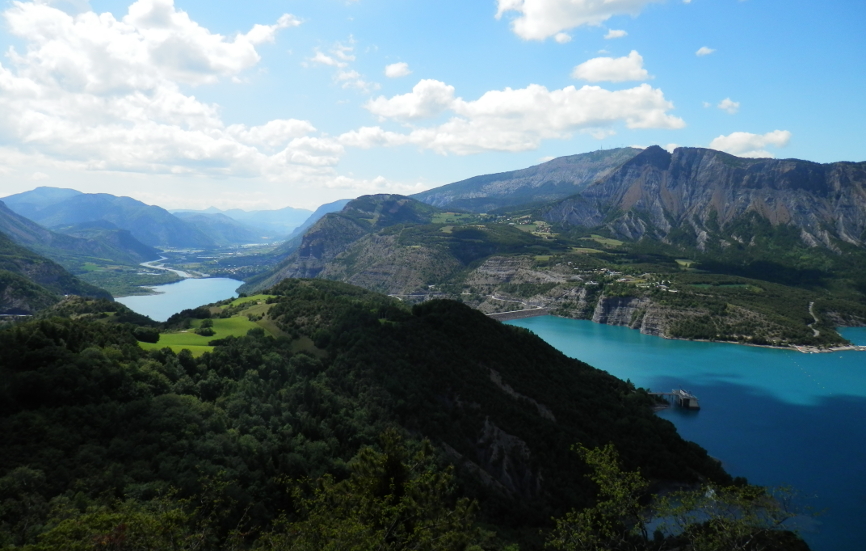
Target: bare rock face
[(619, 310), (706, 191), (507, 459)]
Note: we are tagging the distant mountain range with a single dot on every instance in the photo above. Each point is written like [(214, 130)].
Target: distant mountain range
[(98, 240), (276, 224), (151, 225)]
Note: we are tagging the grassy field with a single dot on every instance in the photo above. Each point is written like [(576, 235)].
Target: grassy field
[(606, 242), (254, 298), (454, 218), (197, 344), (585, 250)]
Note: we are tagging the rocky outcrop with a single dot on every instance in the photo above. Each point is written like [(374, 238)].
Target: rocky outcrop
[(507, 459), (707, 194)]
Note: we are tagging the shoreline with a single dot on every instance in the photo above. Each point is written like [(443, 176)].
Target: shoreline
[(802, 348)]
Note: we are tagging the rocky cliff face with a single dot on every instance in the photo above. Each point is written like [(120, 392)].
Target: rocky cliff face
[(707, 192)]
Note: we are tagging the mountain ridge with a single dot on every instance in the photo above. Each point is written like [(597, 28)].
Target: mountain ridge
[(152, 225), (657, 192)]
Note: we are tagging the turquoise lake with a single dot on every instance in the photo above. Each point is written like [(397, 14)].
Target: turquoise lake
[(777, 417), (174, 297)]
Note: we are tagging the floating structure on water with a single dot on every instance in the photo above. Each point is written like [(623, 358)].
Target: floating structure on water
[(680, 397)]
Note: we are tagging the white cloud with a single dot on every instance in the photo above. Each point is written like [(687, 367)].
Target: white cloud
[(90, 92), (703, 50), (611, 33), (274, 134), (541, 19), (619, 69), (670, 147), (511, 120), (746, 144), (340, 58), (729, 106), (562, 38), (397, 70), (427, 99), (39, 176)]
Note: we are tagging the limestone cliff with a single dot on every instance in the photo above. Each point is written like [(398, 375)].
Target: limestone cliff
[(707, 192)]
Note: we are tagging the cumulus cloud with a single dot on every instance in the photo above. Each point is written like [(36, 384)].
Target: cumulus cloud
[(610, 69), (91, 92), (562, 38), (427, 99), (729, 106), (611, 33), (511, 120), (541, 19), (703, 50), (397, 70), (746, 144)]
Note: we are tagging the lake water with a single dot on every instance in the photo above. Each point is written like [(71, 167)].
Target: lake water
[(174, 297), (777, 417)]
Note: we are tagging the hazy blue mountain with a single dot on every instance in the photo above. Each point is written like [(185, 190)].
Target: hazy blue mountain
[(29, 203), (544, 183), (273, 224), (76, 244), (222, 229), (149, 224)]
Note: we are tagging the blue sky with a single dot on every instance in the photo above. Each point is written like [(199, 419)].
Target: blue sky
[(267, 103)]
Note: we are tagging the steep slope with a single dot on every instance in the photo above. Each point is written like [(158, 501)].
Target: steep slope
[(708, 199), (496, 401), (317, 215), (100, 240), (128, 248), (550, 181), (153, 226), (222, 229), (336, 232), (30, 282)]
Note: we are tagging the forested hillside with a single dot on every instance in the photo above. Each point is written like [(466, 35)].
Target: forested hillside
[(97, 428), (30, 282)]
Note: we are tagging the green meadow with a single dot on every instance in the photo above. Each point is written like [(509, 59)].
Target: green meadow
[(197, 344)]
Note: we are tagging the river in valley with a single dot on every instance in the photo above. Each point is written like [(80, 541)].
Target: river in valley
[(777, 417), (174, 297)]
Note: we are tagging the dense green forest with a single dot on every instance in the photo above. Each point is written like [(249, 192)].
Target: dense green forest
[(364, 422)]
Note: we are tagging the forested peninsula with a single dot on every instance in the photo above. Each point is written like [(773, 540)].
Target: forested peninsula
[(343, 419)]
